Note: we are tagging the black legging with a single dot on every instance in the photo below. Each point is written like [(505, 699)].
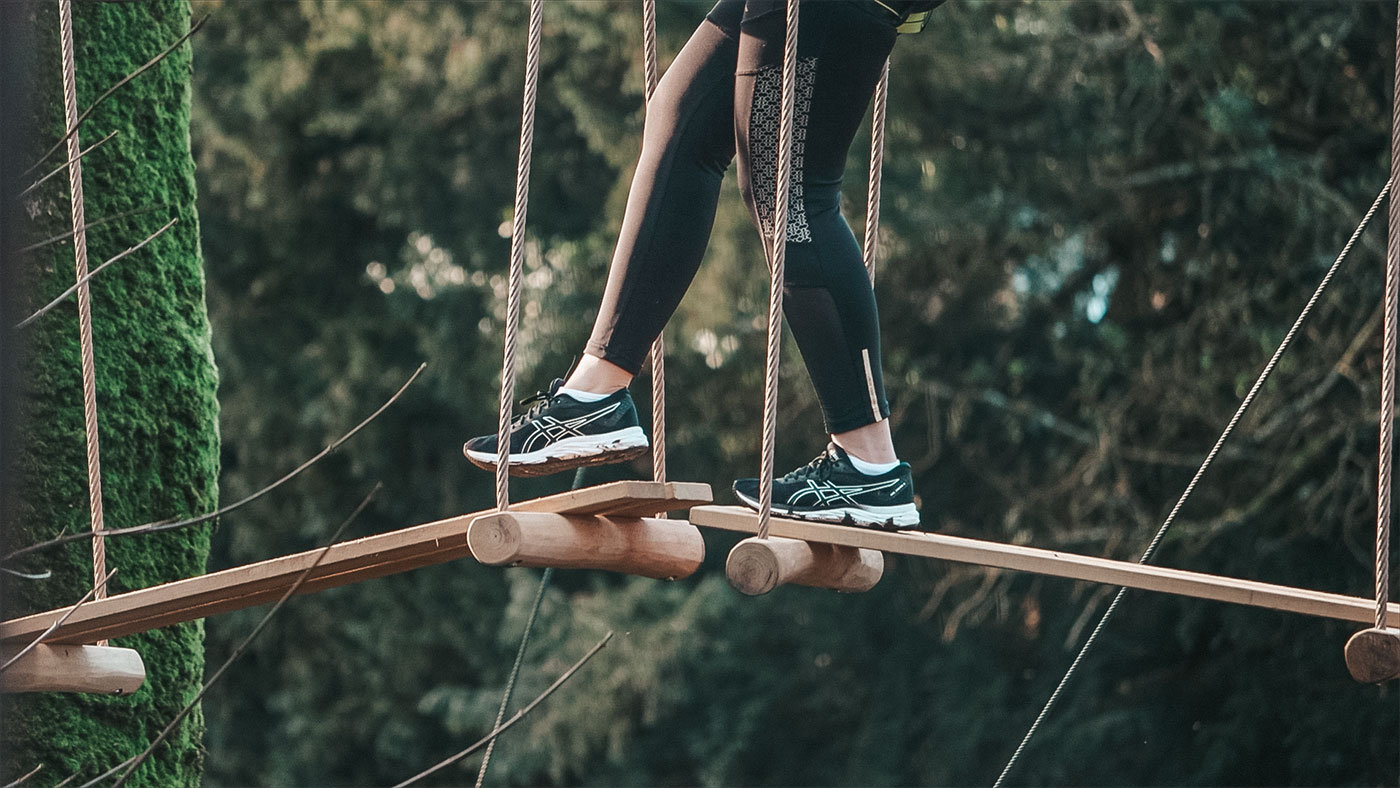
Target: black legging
[(721, 94)]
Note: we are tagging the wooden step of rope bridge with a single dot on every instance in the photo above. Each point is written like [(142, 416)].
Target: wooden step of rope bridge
[(1048, 562), (348, 562)]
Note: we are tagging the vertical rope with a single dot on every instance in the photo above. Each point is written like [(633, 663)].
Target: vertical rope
[(877, 162), (517, 256), (778, 257), (658, 348), (1387, 417), (75, 188)]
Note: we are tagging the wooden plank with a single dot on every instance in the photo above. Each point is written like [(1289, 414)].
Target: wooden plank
[(66, 668), (348, 562), (1057, 564)]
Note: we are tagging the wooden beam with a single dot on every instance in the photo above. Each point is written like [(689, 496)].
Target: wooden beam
[(1373, 655), (650, 547), (756, 566), (65, 668), (348, 562), (1057, 564)]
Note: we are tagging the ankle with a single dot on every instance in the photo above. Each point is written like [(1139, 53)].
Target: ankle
[(593, 375)]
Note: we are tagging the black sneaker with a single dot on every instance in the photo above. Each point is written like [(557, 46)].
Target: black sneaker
[(559, 433), (830, 489)]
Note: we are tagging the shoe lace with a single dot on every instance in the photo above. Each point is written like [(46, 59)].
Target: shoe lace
[(533, 404), (819, 468)]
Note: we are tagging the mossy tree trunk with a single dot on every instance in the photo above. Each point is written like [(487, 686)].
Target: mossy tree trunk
[(156, 384)]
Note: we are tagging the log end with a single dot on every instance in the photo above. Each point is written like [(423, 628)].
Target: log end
[(1373, 655), (68, 668), (756, 566)]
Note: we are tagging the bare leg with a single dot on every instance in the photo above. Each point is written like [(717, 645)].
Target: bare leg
[(597, 376), (871, 443)]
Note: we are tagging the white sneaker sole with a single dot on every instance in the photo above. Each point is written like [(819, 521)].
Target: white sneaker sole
[(576, 447), (905, 515)]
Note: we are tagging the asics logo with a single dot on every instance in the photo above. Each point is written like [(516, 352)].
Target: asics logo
[(826, 492), (549, 429)]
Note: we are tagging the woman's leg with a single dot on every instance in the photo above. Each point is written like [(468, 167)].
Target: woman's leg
[(828, 299), (687, 146)]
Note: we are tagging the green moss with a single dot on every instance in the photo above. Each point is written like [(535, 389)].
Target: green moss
[(156, 388)]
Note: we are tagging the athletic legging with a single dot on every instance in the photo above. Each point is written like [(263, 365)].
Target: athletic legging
[(722, 95)]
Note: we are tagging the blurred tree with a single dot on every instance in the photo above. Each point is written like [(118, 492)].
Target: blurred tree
[(156, 386), (1099, 220)]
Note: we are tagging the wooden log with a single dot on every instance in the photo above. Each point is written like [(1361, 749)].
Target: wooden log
[(1057, 564), (361, 559), (756, 566), (646, 546), (65, 668), (1373, 655)]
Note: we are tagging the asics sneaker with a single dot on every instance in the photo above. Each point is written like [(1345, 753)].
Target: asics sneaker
[(830, 489), (558, 433)]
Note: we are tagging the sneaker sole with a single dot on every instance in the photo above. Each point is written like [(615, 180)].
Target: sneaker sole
[(905, 516), (570, 453)]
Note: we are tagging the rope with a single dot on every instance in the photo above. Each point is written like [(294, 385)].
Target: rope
[(658, 348), (75, 187), (877, 161), (1210, 458), (1386, 448), (517, 255), (514, 673), (775, 273)]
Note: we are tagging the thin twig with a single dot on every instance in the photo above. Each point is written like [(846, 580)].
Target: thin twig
[(166, 525), (70, 778), (44, 575), (65, 165), (132, 763), (60, 622), (21, 780), (113, 89), (90, 274), (88, 226), (518, 716)]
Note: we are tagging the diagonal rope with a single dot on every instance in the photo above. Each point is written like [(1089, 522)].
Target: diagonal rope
[(778, 257), (877, 161), (1210, 458), (1386, 449), (75, 187), (517, 255), (658, 348)]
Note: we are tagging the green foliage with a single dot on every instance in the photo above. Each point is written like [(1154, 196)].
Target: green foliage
[(1099, 219), (156, 385)]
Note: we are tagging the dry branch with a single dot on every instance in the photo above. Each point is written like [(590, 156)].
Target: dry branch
[(517, 717), (131, 764), (113, 89), (166, 525), (66, 235), (55, 625), (90, 274), (65, 165)]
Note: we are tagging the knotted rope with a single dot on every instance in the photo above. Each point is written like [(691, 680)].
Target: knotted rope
[(1387, 416), (777, 258), (517, 257), (658, 348), (877, 161), (1210, 458), (75, 188)]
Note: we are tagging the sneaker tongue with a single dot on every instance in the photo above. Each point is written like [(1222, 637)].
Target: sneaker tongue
[(835, 452), (555, 385)]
